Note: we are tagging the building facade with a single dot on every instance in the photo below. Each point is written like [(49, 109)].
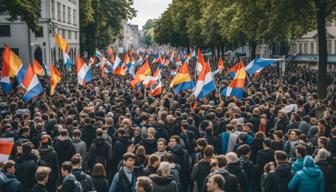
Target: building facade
[(129, 39), (57, 17)]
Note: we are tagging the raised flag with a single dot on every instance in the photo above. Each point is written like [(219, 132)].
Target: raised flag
[(236, 86), (31, 84), (141, 74), (200, 62), (256, 65), (233, 70), (38, 69), (110, 54), (157, 58), (61, 43), (157, 90), (182, 79), (205, 83), (6, 148), (120, 68), (84, 73), (55, 77), (220, 64)]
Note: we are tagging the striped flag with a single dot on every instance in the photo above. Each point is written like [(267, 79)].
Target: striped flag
[(6, 148)]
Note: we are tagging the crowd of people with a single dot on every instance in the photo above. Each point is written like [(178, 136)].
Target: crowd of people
[(107, 136)]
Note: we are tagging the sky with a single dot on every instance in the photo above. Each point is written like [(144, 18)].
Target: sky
[(148, 9)]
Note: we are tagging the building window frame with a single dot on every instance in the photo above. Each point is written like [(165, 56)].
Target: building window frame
[(5, 31)]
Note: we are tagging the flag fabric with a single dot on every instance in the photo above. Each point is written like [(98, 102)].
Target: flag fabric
[(67, 60), (110, 54), (99, 55), (157, 88), (120, 69), (84, 73), (6, 148), (31, 84), (141, 74), (55, 77), (131, 66), (256, 65), (11, 67), (200, 62), (220, 64), (152, 80), (157, 58), (233, 70), (178, 61), (236, 86), (38, 69), (139, 61), (205, 83), (182, 79), (61, 43), (117, 63)]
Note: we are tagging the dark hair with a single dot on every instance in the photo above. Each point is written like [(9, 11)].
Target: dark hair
[(268, 142), (162, 140), (301, 150), (202, 142), (98, 170), (67, 166), (219, 180), (324, 140), (145, 183), (244, 149), (99, 132), (333, 132), (128, 155), (278, 133), (222, 161), (176, 138), (42, 173), (208, 151), (76, 133), (76, 159), (281, 155), (64, 132), (168, 157), (8, 164)]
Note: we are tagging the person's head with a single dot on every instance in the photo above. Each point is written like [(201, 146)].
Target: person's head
[(98, 170), (267, 143), (164, 169), (333, 133), (270, 166), (322, 142), (248, 127), (143, 184), (137, 132), (231, 157), (64, 133), (42, 175), (9, 167), (150, 133), (277, 135), (152, 120), (153, 161), (300, 151), (66, 168), (244, 150), (129, 160), (293, 135), (280, 157), (161, 145), (208, 151), (322, 125), (215, 182), (168, 157), (174, 140), (76, 134), (76, 160), (213, 164), (322, 155), (99, 133), (201, 143), (221, 160)]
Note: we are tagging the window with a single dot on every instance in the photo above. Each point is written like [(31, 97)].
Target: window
[(294, 48), (63, 33), (305, 47), (76, 35), (312, 48), (329, 47), (5, 31), (39, 33), (74, 17), (59, 12), (64, 13), (69, 35), (69, 14), (52, 9), (300, 47)]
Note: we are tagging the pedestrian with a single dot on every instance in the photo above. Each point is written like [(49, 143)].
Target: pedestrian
[(83, 178), (69, 182), (99, 178), (144, 184), (42, 175), (163, 181), (12, 183), (321, 160), (215, 183)]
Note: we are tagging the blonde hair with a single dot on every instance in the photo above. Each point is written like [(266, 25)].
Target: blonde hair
[(164, 169)]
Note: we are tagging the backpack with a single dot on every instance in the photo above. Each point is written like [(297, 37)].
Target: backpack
[(3, 180), (85, 182), (77, 187)]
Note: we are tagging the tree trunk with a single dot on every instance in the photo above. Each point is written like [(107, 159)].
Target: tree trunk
[(253, 49), (222, 49), (218, 51), (213, 52), (323, 54)]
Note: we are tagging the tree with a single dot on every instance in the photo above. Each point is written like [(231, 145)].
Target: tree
[(28, 11), (147, 35)]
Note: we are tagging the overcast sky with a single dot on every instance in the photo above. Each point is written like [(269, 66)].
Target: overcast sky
[(148, 9)]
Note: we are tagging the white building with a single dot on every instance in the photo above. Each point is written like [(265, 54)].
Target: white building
[(130, 38), (57, 16)]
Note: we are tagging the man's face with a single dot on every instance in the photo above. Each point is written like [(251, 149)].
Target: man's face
[(63, 172), (211, 185), (151, 121), (11, 170), (293, 136), (150, 134), (161, 146), (172, 143), (129, 163)]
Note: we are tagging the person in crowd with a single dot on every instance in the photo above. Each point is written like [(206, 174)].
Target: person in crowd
[(227, 140), (321, 160), (269, 168), (80, 145), (248, 166), (144, 184), (99, 178), (215, 183), (234, 167), (161, 145), (289, 146), (150, 142), (152, 165), (12, 184), (163, 181), (69, 182), (83, 178), (42, 175), (300, 153), (64, 147)]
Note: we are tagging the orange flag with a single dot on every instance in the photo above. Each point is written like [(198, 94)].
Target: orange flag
[(55, 77), (141, 74)]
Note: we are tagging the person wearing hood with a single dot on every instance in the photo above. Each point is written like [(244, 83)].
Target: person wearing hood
[(277, 181), (50, 157), (163, 181), (80, 145), (64, 147), (69, 182), (327, 169), (150, 142), (12, 183), (84, 179), (300, 153), (120, 147), (202, 168), (235, 168), (309, 179), (100, 151)]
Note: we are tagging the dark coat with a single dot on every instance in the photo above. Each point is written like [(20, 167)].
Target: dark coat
[(329, 175), (150, 145), (100, 151), (25, 167), (263, 157), (161, 133), (277, 181), (49, 156), (88, 134), (65, 150), (100, 183), (84, 179), (13, 184), (231, 182), (39, 188), (200, 172), (119, 148), (236, 169), (164, 184)]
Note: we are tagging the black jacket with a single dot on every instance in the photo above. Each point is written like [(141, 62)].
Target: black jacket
[(88, 134), (39, 188), (251, 172), (84, 179), (100, 183), (231, 181), (49, 156), (26, 166), (263, 157), (119, 148), (278, 180), (164, 184), (100, 151), (329, 175), (161, 133), (150, 145), (236, 169), (65, 150), (200, 172)]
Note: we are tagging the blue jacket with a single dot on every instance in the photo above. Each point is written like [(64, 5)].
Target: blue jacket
[(309, 179), (297, 165)]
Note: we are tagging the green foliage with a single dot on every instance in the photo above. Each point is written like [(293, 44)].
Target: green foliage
[(28, 11), (104, 22), (147, 35)]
